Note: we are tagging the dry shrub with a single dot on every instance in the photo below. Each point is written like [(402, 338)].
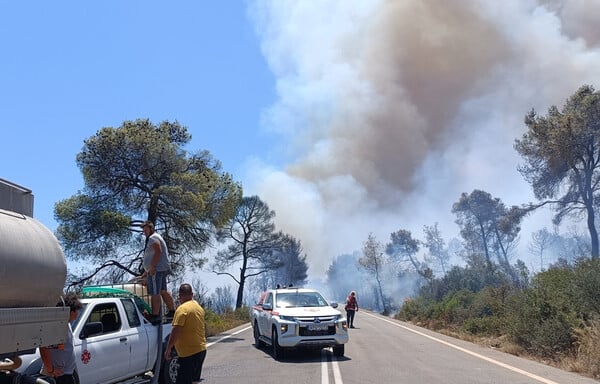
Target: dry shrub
[(587, 359)]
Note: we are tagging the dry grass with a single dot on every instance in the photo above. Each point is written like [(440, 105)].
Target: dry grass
[(216, 324)]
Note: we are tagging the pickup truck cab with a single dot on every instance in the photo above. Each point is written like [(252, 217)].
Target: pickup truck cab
[(114, 342), (288, 318)]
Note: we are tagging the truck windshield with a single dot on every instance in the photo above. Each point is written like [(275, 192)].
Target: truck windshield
[(300, 299)]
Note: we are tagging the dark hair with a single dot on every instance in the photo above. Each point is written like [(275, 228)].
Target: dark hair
[(185, 289), (70, 300), (147, 223)]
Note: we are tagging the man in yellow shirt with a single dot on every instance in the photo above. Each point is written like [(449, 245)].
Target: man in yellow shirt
[(188, 337)]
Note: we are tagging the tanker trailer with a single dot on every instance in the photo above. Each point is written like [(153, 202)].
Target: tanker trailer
[(32, 277)]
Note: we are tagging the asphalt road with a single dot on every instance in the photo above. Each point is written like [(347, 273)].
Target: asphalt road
[(380, 350)]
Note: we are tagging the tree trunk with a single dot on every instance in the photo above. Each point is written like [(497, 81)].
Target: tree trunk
[(239, 301), (380, 291), (593, 231)]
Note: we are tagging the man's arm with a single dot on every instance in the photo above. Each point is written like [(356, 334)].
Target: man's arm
[(175, 334), (46, 355), (157, 253)]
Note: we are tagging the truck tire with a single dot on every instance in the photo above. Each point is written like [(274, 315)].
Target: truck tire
[(258, 343), (168, 370), (338, 350), (277, 349)]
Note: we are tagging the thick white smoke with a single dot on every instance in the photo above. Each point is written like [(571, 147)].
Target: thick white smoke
[(389, 110)]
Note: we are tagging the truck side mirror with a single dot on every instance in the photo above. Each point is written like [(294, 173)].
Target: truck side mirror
[(334, 304), (91, 329), (267, 307)]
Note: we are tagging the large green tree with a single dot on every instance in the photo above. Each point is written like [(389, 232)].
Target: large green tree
[(141, 171), (562, 158)]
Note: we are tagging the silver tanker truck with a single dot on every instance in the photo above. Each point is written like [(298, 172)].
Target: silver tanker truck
[(33, 270)]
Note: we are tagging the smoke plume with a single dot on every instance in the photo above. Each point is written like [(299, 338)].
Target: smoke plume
[(388, 110)]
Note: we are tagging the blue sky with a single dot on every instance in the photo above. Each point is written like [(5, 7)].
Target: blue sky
[(346, 117), (71, 68)]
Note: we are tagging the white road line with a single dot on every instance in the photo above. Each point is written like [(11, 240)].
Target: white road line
[(324, 369), (490, 360), (326, 355), (228, 336), (337, 375)]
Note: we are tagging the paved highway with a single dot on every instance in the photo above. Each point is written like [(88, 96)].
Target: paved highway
[(380, 350)]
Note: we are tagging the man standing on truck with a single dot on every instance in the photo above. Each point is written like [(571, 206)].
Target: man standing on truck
[(59, 360), (156, 267), (188, 337)]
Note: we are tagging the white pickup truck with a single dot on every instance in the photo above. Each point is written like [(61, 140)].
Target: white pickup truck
[(114, 343), (288, 318)]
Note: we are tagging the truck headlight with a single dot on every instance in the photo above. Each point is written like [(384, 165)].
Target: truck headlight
[(284, 328), (344, 325)]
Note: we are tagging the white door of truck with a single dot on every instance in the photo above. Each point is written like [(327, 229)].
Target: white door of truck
[(264, 318), (103, 358), (140, 360)]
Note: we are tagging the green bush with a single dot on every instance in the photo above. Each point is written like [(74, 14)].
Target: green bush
[(415, 310), (586, 282), (542, 319), (484, 326), (456, 307)]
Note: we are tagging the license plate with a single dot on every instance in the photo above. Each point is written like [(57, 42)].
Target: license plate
[(318, 327)]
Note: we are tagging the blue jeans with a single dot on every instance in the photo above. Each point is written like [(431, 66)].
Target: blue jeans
[(350, 315)]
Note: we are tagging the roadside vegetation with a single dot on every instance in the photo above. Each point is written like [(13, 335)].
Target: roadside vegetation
[(220, 322), (555, 319)]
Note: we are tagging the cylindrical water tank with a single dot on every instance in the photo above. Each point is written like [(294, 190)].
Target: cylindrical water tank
[(33, 268)]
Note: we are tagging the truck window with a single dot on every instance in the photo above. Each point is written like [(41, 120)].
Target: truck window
[(78, 319), (269, 299), (130, 311), (108, 315)]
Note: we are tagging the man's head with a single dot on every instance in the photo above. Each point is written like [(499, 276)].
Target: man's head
[(185, 292), (147, 227), (72, 301)]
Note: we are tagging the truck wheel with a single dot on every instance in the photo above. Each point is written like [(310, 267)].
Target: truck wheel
[(168, 370), (258, 343), (277, 349), (338, 350)]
